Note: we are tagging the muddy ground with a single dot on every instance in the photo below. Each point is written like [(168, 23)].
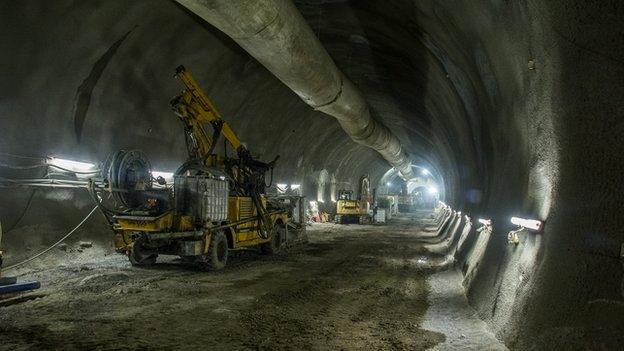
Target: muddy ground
[(351, 287)]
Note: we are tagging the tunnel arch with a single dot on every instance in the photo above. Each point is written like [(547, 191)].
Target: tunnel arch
[(513, 106)]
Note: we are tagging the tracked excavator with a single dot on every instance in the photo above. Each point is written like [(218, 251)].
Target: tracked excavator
[(217, 202), (351, 210)]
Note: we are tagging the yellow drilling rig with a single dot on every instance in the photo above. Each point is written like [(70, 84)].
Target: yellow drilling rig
[(217, 203)]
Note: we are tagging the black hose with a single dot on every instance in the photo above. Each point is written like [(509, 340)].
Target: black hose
[(108, 213), (216, 132)]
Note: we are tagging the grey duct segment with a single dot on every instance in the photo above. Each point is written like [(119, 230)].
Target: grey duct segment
[(275, 34)]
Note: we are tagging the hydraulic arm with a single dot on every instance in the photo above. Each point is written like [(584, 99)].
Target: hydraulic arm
[(194, 108)]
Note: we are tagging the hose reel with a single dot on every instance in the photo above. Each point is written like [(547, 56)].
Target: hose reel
[(129, 176)]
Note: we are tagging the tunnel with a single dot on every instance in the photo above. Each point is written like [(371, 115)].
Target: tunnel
[(483, 111)]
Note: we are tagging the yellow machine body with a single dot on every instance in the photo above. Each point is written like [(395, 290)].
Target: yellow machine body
[(243, 225), (349, 210), (242, 235), (350, 207)]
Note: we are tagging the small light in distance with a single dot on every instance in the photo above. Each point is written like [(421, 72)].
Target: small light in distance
[(74, 166), (280, 185), (425, 172), (532, 224), (295, 186), (388, 184)]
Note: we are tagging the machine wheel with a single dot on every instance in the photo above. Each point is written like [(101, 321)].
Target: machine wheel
[(275, 244), (217, 255), (140, 256)]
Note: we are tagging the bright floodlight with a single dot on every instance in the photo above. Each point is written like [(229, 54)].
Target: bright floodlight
[(432, 190), (74, 166), (388, 184), (425, 172), (532, 224), (168, 176), (485, 221)]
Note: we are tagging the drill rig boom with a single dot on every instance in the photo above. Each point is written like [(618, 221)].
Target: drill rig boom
[(194, 108)]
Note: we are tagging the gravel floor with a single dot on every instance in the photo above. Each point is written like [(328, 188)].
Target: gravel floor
[(359, 287)]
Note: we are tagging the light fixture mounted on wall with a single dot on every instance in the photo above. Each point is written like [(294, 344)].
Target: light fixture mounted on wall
[(486, 224), (524, 224), (71, 166), (531, 224), (163, 178)]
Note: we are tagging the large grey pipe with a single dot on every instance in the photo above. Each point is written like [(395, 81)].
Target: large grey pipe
[(275, 33)]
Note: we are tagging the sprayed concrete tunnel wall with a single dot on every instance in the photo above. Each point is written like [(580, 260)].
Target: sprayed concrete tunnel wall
[(515, 105)]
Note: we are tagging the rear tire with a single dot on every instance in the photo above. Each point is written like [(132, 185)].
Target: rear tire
[(140, 256), (275, 244), (217, 255)]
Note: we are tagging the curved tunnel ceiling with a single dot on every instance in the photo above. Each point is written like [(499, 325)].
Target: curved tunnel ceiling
[(409, 81), (515, 105)]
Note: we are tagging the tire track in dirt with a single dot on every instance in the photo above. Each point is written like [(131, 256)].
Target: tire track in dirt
[(350, 301), (338, 292)]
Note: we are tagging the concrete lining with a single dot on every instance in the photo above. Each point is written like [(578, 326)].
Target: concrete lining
[(516, 104)]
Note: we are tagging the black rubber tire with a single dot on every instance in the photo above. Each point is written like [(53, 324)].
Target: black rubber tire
[(217, 255), (275, 244), (139, 256)]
